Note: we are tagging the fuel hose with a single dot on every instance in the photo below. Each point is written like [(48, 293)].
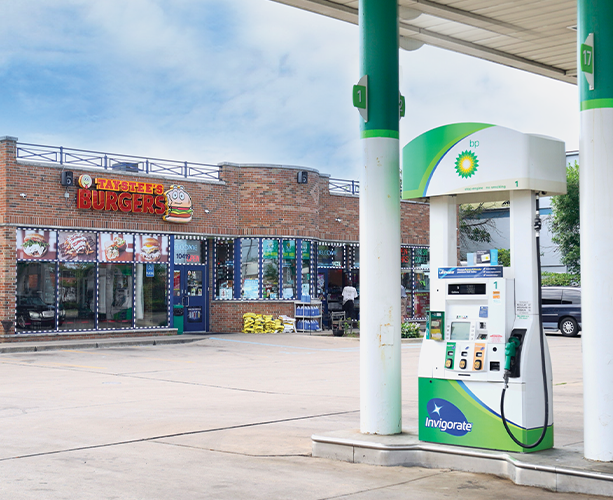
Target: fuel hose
[(537, 227)]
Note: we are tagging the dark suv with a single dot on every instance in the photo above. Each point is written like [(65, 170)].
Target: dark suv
[(562, 309)]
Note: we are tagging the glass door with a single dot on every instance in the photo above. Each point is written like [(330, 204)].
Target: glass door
[(190, 291)]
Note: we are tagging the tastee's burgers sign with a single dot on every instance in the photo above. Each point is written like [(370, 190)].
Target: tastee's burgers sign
[(174, 205)]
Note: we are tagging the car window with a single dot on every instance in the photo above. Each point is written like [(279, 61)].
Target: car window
[(551, 296), (572, 297)]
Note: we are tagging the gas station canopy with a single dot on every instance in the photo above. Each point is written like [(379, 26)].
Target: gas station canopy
[(539, 37)]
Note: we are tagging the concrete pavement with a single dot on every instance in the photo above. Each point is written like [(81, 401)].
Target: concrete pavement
[(224, 416)]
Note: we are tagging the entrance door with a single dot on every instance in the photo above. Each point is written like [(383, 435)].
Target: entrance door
[(190, 290)]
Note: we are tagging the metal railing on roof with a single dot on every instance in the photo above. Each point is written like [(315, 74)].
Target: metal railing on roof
[(118, 162), (344, 186), (144, 165)]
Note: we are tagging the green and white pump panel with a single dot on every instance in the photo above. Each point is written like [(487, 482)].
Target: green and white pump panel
[(478, 311)]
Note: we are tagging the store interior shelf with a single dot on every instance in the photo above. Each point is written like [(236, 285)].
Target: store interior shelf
[(308, 316)]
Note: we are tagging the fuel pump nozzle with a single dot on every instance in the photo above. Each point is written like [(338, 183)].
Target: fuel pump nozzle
[(510, 350)]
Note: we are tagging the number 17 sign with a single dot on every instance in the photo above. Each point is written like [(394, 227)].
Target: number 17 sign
[(586, 57)]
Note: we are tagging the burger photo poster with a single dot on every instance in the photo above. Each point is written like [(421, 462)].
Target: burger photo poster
[(36, 244), (151, 248), (115, 247)]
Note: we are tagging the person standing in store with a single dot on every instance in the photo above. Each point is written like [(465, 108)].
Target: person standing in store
[(349, 295)]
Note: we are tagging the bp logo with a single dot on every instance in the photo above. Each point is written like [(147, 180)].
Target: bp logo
[(466, 164), (447, 417)]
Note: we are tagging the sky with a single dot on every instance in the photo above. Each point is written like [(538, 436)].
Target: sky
[(242, 81)]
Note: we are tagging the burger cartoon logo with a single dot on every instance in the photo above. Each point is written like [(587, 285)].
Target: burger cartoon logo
[(85, 181), (178, 205)]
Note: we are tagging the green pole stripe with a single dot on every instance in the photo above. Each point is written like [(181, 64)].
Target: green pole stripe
[(394, 134), (595, 16), (379, 60), (596, 103)]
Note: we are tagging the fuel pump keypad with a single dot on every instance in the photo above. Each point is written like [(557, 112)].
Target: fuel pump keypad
[(471, 356)]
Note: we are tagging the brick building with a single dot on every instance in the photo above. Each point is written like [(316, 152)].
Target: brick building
[(102, 256)]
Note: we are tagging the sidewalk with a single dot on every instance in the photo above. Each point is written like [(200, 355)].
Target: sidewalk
[(51, 345)]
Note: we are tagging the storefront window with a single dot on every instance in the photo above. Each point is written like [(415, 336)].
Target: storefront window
[(77, 295), (289, 269), (36, 296), (151, 295), (421, 257), (270, 269), (330, 256), (415, 278), (306, 267), (188, 252), (250, 275), (224, 269), (115, 308), (94, 280)]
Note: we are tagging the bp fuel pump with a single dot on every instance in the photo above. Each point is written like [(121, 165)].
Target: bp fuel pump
[(484, 368)]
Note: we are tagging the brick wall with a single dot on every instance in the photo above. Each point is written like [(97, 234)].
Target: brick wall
[(227, 316), (256, 200)]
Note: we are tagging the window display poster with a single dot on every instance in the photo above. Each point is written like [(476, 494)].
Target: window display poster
[(225, 290), (36, 244), (270, 249), (289, 249), (251, 288), (76, 246), (194, 314), (422, 304), (115, 247), (151, 248)]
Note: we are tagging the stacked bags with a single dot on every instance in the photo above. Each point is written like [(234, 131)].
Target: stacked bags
[(261, 323)]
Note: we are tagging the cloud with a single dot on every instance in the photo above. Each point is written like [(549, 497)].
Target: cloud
[(234, 80)]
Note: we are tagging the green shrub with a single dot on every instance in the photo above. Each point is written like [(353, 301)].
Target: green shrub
[(410, 330), (560, 279), (504, 257)]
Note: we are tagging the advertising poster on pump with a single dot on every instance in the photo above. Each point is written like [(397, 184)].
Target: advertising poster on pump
[(36, 244), (151, 248)]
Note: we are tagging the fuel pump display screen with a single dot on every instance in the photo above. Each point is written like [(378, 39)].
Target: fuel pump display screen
[(460, 330), (467, 289)]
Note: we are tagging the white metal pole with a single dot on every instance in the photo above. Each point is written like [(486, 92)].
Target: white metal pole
[(380, 370), (595, 42), (380, 374)]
